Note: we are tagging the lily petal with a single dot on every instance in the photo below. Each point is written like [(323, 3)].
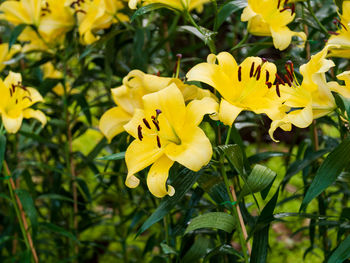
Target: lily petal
[(195, 149), (112, 122), (157, 177), (36, 114), (12, 125), (228, 112), (196, 109), (282, 37)]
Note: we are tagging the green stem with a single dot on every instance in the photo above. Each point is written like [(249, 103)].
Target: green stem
[(242, 42), (323, 29), (208, 41)]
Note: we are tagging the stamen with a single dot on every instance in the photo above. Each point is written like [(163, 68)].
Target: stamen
[(251, 70), (340, 23), (278, 5), (13, 88), (257, 72), (280, 80), (278, 90), (146, 123), (293, 8), (158, 142), (16, 101), (156, 124), (288, 80), (10, 92), (269, 84), (333, 33), (80, 11), (139, 132), (286, 8), (267, 76), (158, 112), (239, 73), (263, 60)]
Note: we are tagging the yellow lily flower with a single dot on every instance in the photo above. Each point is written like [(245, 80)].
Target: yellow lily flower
[(15, 101), (177, 4), (309, 100), (165, 131), (244, 87), (96, 15), (340, 41), (270, 18), (6, 54), (342, 90), (128, 98), (21, 12)]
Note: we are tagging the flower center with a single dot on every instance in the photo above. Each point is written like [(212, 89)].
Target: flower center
[(18, 95), (154, 127)]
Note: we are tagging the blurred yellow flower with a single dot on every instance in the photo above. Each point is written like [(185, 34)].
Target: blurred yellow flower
[(128, 98), (96, 15), (6, 54), (340, 40), (21, 12), (177, 4), (309, 100), (15, 101), (270, 18), (165, 131), (244, 87)]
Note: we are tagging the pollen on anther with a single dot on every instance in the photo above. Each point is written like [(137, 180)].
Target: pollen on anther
[(257, 72), (158, 142), (251, 70), (146, 123), (158, 111), (239, 73), (267, 76), (139, 132), (269, 84), (278, 90)]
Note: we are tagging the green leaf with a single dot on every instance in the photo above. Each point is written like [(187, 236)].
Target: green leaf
[(264, 156), (59, 230), (55, 197), (197, 251), (234, 155), (339, 3), (227, 10), (182, 183), (29, 207), (80, 99), (341, 253), (15, 34), (222, 249), (258, 180), (328, 172), (168, 250), (343, 103), (261, 236), (112, 157), (219, 220), (2, 149), (148, 8)]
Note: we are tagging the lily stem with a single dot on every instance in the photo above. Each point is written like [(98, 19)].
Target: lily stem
[(323, 29), (20, 214)]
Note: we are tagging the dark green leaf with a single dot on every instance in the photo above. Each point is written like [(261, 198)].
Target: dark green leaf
[(2, 149), (146, 9), (259, 179), (341, 253), (264, 156), (227, 10), (223, 249), (197, 251), (182, 183), (328, 172), (112, 157), (167, 249), (15, 34), (29, 207), (218, 220), (234, 155)]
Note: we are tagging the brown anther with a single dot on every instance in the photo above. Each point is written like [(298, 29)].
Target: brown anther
[(13, 88), (239, 73), (10, 92), (269, 84), (286, 8), (278, 90), (80, 11), (139, 132), (279, 79), (156, 124), (179, 56), (158, 112), (286, 77), (267, 76), (153, 118), (333, 33), (340, 23), (278, 4), (293, 8), (257, 72), (264, 60), (16, 101), (146, 123), (289, 69), (158, 73), (158, 142), (251, 70)]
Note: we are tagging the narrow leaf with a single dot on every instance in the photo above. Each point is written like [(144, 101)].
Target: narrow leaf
[(15, 34), (148, 8), (341, 253), (58, 230), (328, 172), (227, 10), (112, 157), (2, 149), (234, 155), (218, 220), (29, 207)]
